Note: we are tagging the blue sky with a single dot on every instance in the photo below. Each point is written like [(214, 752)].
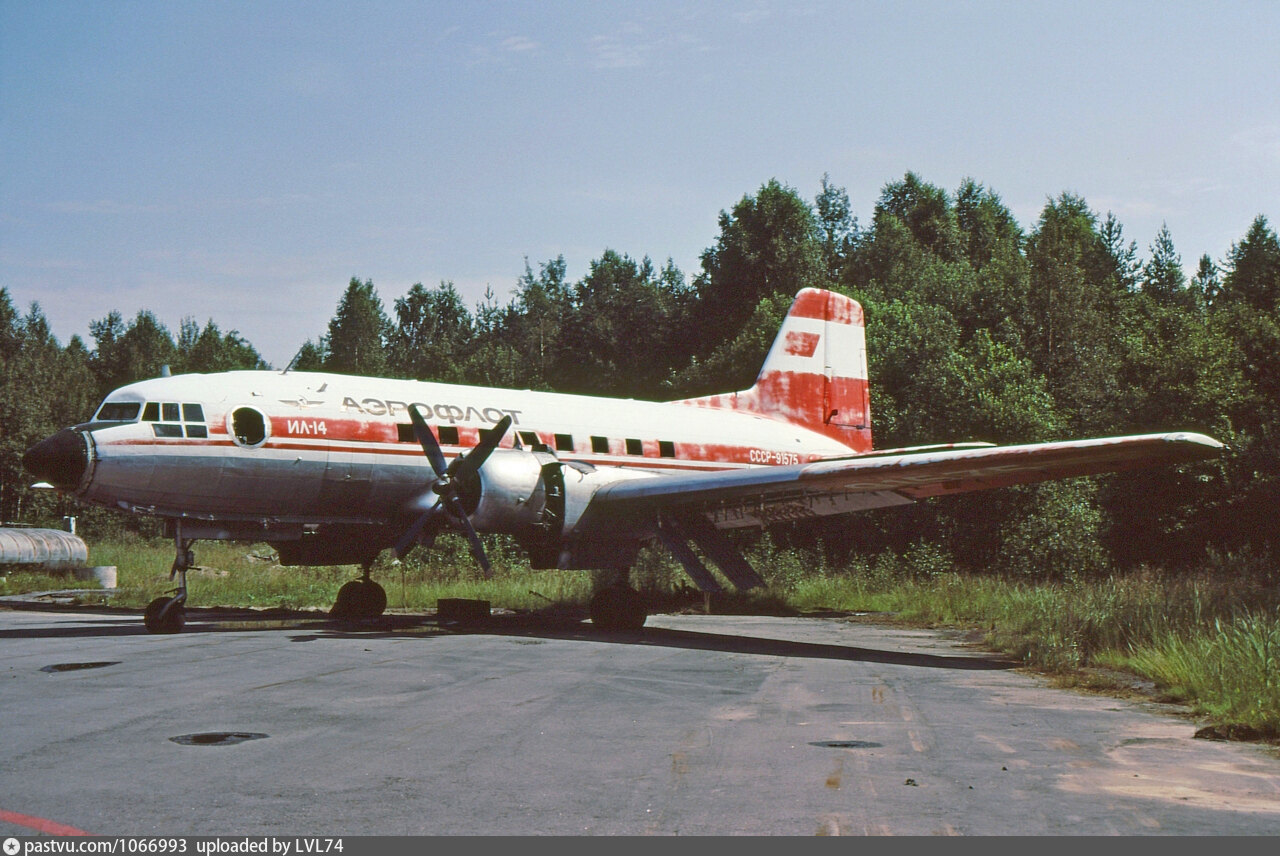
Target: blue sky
[(242, 161)]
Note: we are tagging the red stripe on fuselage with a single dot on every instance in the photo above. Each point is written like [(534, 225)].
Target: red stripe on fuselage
[(689, 456)]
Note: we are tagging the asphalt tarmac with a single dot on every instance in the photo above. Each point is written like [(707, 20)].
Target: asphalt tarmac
[(297, 725)]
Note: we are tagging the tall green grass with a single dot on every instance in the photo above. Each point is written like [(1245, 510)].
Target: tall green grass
[(1230, 671)]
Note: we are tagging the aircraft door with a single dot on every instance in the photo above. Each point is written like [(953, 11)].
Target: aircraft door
[(348, 481)]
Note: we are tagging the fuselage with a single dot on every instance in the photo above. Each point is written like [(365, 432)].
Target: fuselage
[(303, 447)]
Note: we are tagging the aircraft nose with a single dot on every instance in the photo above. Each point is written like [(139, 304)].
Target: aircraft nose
[(60, 460)]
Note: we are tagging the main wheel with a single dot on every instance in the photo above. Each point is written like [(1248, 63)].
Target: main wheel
[(360, 599), (157, 620), (617, 608)]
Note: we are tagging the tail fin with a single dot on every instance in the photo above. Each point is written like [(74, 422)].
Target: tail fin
[(816, 372)]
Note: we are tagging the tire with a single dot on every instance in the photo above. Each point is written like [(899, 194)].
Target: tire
[(618, 608), (360, 599), (170, 622)]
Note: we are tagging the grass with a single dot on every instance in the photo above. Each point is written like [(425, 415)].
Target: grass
[(1209, 639)]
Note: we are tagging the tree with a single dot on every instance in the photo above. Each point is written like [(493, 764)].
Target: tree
[(124, 355), (838, 227), (734, 363), (42, 389), (1206, 284), (209, 350), (310, 357), (926, 211), (1254, 269), (1162, 277), (1074, 323), (356, 343), (768, 245), (1120, 260), (913, 253), (994, 246), (623, 337), (432, 336)]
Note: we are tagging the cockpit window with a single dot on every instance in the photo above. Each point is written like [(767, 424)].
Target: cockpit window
[(191, 417), (118, 411)]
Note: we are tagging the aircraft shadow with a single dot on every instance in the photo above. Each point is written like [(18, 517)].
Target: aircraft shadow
[(697, 640), (315, 626)]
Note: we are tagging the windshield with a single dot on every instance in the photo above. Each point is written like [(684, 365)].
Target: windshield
[(118, 411)]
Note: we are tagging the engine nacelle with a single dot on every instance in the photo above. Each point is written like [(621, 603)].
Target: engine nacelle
[(512, 496), (538, 499)]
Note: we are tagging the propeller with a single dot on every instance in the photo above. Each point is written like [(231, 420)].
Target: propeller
[(448, 509)]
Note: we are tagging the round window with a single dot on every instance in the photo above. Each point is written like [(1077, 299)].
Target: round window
[(248, 427)]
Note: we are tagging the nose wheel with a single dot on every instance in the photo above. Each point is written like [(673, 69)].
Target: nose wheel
[(168, 614)]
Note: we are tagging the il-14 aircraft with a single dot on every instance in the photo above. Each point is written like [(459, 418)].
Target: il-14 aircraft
[(333, 469)]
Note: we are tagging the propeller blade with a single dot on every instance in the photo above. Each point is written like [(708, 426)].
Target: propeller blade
[(473, 460), (406, 541), (477, 548), (449, 509), (428, 442)]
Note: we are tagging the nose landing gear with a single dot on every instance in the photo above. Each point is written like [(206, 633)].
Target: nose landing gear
[(168, 614)]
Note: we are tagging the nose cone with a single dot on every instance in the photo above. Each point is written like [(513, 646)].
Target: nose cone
[(60, 460)]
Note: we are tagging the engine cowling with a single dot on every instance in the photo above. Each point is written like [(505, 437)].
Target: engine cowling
[(510, 492), (537, 498)]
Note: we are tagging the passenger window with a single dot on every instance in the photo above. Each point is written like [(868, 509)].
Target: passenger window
[(666, 448), (170, 413), (192, 413), (564, 442), (448, 435), (634, 447), (600, 445), (167, 430), (151, 413), (199, 431), (248, 427), (530, 438)]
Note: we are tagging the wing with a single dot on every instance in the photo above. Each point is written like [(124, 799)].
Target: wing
[(764, 495)]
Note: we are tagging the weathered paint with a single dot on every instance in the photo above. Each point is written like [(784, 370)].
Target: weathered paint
[(815, 374)]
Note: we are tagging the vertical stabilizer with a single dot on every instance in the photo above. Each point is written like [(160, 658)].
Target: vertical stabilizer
[(816, 372)]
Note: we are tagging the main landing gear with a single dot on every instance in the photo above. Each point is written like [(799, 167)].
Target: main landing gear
[(362, 598), (168, 614), (618, 607)]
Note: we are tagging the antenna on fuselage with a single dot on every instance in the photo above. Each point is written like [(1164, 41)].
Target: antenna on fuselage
[(165, 371), (293, 361)]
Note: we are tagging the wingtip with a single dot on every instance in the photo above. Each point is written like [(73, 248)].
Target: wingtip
[(1193, 438)]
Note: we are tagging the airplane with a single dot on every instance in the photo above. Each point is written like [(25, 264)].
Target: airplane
[(332, 469)]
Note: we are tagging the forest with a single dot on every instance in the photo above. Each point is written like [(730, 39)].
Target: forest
[(976, 329)]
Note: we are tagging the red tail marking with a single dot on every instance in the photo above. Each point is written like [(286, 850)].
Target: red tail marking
[(825, 306), (802, 344)]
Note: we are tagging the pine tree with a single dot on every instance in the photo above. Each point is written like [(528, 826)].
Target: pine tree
[(358, 333)]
